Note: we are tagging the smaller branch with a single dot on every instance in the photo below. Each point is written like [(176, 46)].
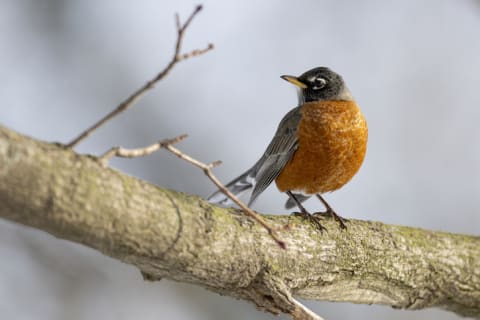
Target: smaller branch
[(181, 29), (139, 152), (130, 101), (207, 170), (177, 22), (167, 144), (195, 53), (301, 312)]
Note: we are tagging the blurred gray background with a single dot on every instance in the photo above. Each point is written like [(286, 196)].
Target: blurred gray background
[(414, 67)]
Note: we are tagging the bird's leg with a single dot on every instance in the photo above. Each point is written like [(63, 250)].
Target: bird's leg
[(331, 212), (304, 213)]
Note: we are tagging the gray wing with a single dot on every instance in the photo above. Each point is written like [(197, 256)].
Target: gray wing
[(278, 153)]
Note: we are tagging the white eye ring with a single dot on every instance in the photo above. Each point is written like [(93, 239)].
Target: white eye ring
[(319, 83)]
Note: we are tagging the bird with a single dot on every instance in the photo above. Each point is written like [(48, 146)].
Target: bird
[(318, 147)]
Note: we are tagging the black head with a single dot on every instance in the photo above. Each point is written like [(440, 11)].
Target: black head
[(320, 84)]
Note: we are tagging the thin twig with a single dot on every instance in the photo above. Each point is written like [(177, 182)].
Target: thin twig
[(177, 57), (207, 170), (301, 312), (167, 144), (139, 152)]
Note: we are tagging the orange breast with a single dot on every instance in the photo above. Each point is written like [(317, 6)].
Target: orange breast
[(332, 139)]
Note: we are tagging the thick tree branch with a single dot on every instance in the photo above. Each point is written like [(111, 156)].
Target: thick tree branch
[(181, 237)]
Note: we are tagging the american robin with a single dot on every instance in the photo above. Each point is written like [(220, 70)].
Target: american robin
[(318, 146)]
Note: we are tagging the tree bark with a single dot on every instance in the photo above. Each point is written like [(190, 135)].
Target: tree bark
[(182, 237)]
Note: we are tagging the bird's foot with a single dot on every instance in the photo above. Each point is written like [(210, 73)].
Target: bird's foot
[(311, 218), (330, 212)]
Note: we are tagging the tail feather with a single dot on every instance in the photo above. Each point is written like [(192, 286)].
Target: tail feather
[(237, 186), (291, 203)]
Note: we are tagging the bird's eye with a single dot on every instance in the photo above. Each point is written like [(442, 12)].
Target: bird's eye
[(319, 83)]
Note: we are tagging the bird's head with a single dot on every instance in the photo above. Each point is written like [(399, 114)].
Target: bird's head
[(320, 84)]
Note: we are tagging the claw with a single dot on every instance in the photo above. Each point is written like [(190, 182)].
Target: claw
[(331, 212), (341, 221), (312, 219)]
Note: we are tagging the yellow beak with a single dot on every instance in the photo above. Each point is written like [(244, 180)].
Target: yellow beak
[(295, 81)]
